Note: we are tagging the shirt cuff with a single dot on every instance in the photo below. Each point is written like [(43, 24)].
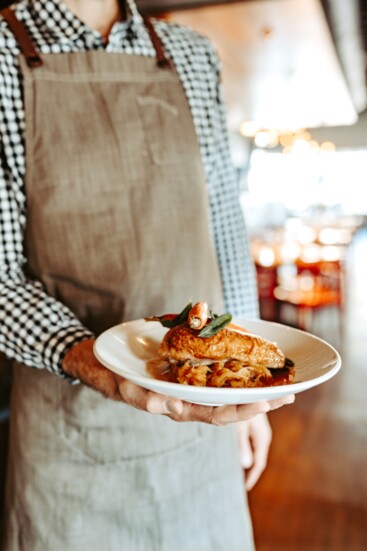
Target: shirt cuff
[(58, 345)]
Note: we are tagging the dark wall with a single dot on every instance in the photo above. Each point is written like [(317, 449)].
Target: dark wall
[(157, 6)]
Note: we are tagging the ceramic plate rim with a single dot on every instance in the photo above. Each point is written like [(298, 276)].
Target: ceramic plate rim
[(222, 394)]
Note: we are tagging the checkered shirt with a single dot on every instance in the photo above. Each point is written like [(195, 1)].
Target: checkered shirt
[(35, 328)]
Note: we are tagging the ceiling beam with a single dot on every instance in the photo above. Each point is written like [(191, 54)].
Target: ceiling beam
[(345, 21)]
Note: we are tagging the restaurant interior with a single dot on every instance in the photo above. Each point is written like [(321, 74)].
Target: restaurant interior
[(295, 89)]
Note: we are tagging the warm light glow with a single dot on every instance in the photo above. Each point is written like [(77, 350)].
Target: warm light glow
[(266, 138), (299, 142), (329, 236), (266, 257), (303, 135), (306, 283), (306, 234), (311, 254), (249, 128), (328, 146), (290, 251), (286, 140), (301, 146), (332, 253)]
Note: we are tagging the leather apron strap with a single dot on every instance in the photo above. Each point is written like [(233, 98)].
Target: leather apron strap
[(33, 58), (162, 60), (22, 37)]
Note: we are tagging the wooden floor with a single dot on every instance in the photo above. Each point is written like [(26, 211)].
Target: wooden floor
[(313, 496)]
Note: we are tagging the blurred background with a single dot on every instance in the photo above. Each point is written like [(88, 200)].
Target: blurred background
[(294, 82)]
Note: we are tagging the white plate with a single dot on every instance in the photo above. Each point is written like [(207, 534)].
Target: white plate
[(126, 348)]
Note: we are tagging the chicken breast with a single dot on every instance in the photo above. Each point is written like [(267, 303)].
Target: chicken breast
[(182, 343)]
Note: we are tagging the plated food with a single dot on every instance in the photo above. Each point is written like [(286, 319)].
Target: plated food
[(127, 347), (204, 349)]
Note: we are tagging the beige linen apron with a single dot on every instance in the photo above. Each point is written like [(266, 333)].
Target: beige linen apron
[(117, 229)]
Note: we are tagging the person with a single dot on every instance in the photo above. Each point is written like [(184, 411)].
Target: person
[(118, 201)]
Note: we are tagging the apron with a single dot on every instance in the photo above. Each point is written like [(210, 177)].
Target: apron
[(117, 229)]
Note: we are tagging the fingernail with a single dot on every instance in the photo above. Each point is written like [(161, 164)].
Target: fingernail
[(173, 406)]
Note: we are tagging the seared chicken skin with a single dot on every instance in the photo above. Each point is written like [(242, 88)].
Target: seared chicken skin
[(182, 343)]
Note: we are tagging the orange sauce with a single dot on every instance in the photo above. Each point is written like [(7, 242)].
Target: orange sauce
[(283, 376), (161, 370)]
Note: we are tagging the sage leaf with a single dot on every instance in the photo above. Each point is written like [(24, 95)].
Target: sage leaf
[(180, 318), (215, 325)]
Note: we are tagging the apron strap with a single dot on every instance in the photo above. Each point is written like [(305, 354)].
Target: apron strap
[(162, 60), (21, 35), (33, 58)]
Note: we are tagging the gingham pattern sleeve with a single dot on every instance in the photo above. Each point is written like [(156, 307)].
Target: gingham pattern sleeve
[(230, 234), (34, 328), (201, 78)]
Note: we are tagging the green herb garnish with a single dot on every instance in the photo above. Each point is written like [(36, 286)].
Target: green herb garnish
[(215, 325), (168, 320)]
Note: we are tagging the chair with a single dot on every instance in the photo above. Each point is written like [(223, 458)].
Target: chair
[(314, 287)]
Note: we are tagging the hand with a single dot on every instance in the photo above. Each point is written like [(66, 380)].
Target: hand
[(254, 440), (81, 363)]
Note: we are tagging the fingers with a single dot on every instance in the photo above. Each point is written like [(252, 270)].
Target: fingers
[(233, 414), (279, 402), (154, 403), (219, 415), (146, 400), (260, 435), (254, 473), (180, 411)]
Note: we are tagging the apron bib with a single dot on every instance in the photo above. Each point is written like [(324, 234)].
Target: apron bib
[(117, 229)]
